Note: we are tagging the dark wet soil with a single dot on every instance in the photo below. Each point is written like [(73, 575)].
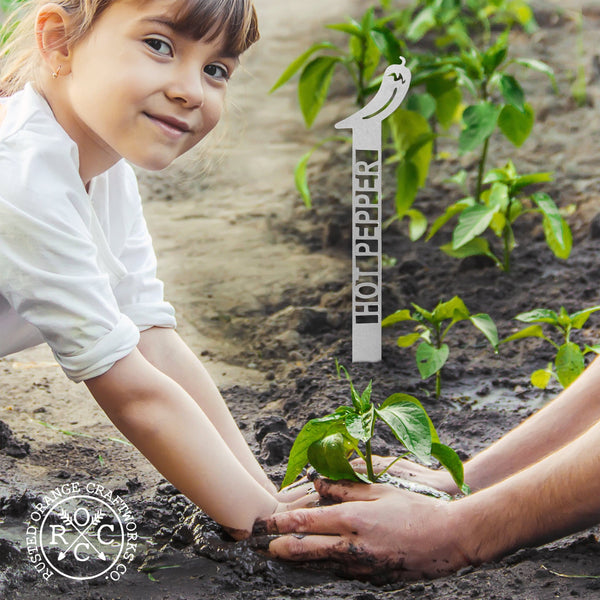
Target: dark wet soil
[(295, 341)]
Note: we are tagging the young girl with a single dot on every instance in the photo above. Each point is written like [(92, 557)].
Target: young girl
[(87, 85)]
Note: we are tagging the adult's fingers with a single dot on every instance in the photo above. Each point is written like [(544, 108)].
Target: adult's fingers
[(312, 547), (327, 520), (347, 491)]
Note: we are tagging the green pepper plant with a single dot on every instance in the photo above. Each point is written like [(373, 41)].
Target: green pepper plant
[(569, 361), (500, 206), (328, 443), (431, 330)]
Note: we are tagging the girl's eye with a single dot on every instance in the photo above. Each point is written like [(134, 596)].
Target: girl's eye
[(160, 46), (217, 71)]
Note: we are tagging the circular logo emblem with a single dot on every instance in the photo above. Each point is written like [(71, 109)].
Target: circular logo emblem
[(81, 533)]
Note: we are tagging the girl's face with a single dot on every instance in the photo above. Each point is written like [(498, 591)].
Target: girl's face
[(136, 88)]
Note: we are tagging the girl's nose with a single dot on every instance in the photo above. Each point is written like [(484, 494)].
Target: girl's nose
[(187, 89)]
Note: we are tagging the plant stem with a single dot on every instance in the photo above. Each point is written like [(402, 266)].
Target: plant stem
[(369, 461), (438, 384), (481, 169), (392, 464)]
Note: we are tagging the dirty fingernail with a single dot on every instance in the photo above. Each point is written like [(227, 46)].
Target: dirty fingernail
[(260, 527), (260, 542)]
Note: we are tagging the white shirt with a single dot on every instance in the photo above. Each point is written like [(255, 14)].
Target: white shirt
[(77, 268)]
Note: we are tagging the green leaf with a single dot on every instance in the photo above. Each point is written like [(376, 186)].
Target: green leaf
[(298, 62), (538, 315), (448, 107), (538, 65), (535, 331), (512, 92), (495, 55), (516, 125), (498, 197), (473, 248), (569, 363), (314, 430), (407, 185), (397, 317), (541, 378), (578, 319), (454, 309), (523, 181), (484, 323), (314, 85), (361, 402), (365, 399), (301, 179), (556, 229), (472, 222), (595, 348), (417, 225), (300, 175), (424, 104), (430, 359), (349, 28), (410, 425), (424, 22), (422, 312), (451, 211), (524, 15), (406, 341), (480, 121), (409, 128), (360, 426), (401, 398), (387, 43), (328, 457), (450, 460)]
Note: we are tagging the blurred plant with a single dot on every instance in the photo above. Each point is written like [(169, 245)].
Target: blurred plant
[(329, 443), (431, 331), (463, 67), (579, 84), (568, 362)]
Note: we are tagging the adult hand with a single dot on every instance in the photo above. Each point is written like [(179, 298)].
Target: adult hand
[(377, 532)]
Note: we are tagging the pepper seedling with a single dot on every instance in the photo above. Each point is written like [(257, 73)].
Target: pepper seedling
[(568, 362), (431, 330), (329, 443)]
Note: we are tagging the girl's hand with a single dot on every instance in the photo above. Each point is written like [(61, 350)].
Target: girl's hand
[(439, 479), (301, 495)]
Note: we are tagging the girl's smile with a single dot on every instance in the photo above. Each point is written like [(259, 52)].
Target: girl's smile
[(135, 87)]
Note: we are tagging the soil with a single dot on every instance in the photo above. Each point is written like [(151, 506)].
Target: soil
[(261, 288)]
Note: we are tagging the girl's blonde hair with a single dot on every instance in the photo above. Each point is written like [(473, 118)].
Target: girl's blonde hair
[(199, 19)]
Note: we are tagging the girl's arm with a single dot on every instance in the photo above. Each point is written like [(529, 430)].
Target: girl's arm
[(163, 421), (164, 349)]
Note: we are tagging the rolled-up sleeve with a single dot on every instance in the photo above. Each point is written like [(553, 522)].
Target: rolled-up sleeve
[(49, 275)]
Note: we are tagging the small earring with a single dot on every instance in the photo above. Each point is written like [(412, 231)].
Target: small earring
[(56, 73)]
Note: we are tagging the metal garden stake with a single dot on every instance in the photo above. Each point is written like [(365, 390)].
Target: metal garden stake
[(366, 210)]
